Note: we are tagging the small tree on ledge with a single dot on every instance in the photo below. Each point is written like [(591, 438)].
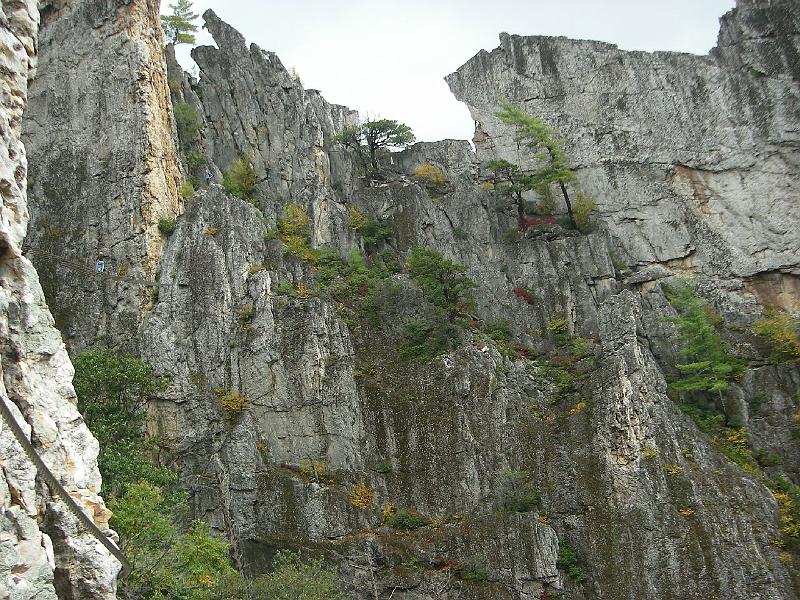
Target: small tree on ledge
[(534, 134), (369, 138)]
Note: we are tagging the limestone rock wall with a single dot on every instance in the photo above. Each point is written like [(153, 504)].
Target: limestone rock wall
[(692, 159), (44, 552)]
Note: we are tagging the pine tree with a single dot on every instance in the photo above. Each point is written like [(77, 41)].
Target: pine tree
[(708, 365), (369, 138), (178, 26), (533, 133)]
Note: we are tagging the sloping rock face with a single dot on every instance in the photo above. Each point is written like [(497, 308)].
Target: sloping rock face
[(100, 124), (652, 508), (44, 553)]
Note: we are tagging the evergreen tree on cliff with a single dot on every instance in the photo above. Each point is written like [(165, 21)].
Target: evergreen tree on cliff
[(369, 138), (178, 26), (534, 134)]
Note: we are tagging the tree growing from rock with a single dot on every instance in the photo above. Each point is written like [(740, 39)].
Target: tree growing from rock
[(511, 180), (552, 167), (178, 26), (368, 139)]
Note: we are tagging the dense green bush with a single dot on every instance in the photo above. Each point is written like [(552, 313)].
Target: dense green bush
[(187, 190), (443, 282), (166, 561), (783, 331), (294, 230), (426, 339), (568, 561), (407, 519), (166, 225), (188, 123), (240, 180), (582, 212), (374, 233), (432, 177), (113, 391), (291, 579)]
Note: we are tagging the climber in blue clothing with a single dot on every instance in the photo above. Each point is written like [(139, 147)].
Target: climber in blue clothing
[(208, 175), (101, 264)]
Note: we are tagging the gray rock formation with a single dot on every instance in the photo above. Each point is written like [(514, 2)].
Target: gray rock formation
[(44, 552), (674, 148), (106, 168), (692, 159)]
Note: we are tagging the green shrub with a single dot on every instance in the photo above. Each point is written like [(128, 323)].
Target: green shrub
[(443, 282), (582, 213), (292, 578), (563, 380), (431, 176), (195, 159), (232, 403), (427, 339), (286, 289), (356, 218), (166, 225), (568, 562), (240, 180), (407, 519), (375, 233), (558, 326), (500, 332), (783, 331), (294, 231), (167, 562), (113, 391), (187, 190), (246, 313), (187, 121)]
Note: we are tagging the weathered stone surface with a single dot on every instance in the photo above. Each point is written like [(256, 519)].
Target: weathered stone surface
[(688, 157), (36, 382), (100, 126)]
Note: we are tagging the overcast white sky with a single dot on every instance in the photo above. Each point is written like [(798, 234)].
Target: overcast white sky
[(388, 58)]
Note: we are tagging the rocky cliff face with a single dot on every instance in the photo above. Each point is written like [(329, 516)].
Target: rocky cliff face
[(675, 149), (100, 124), (44, 551)]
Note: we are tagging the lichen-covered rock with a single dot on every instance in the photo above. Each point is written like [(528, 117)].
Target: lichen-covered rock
[(35, 561)]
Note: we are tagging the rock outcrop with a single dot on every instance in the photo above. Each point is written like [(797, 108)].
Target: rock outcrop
[(674, 148), (692, 159), (106, 170), (44, 551)]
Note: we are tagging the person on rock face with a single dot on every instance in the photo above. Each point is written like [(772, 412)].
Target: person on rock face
[(208, 175), (101, 263)]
